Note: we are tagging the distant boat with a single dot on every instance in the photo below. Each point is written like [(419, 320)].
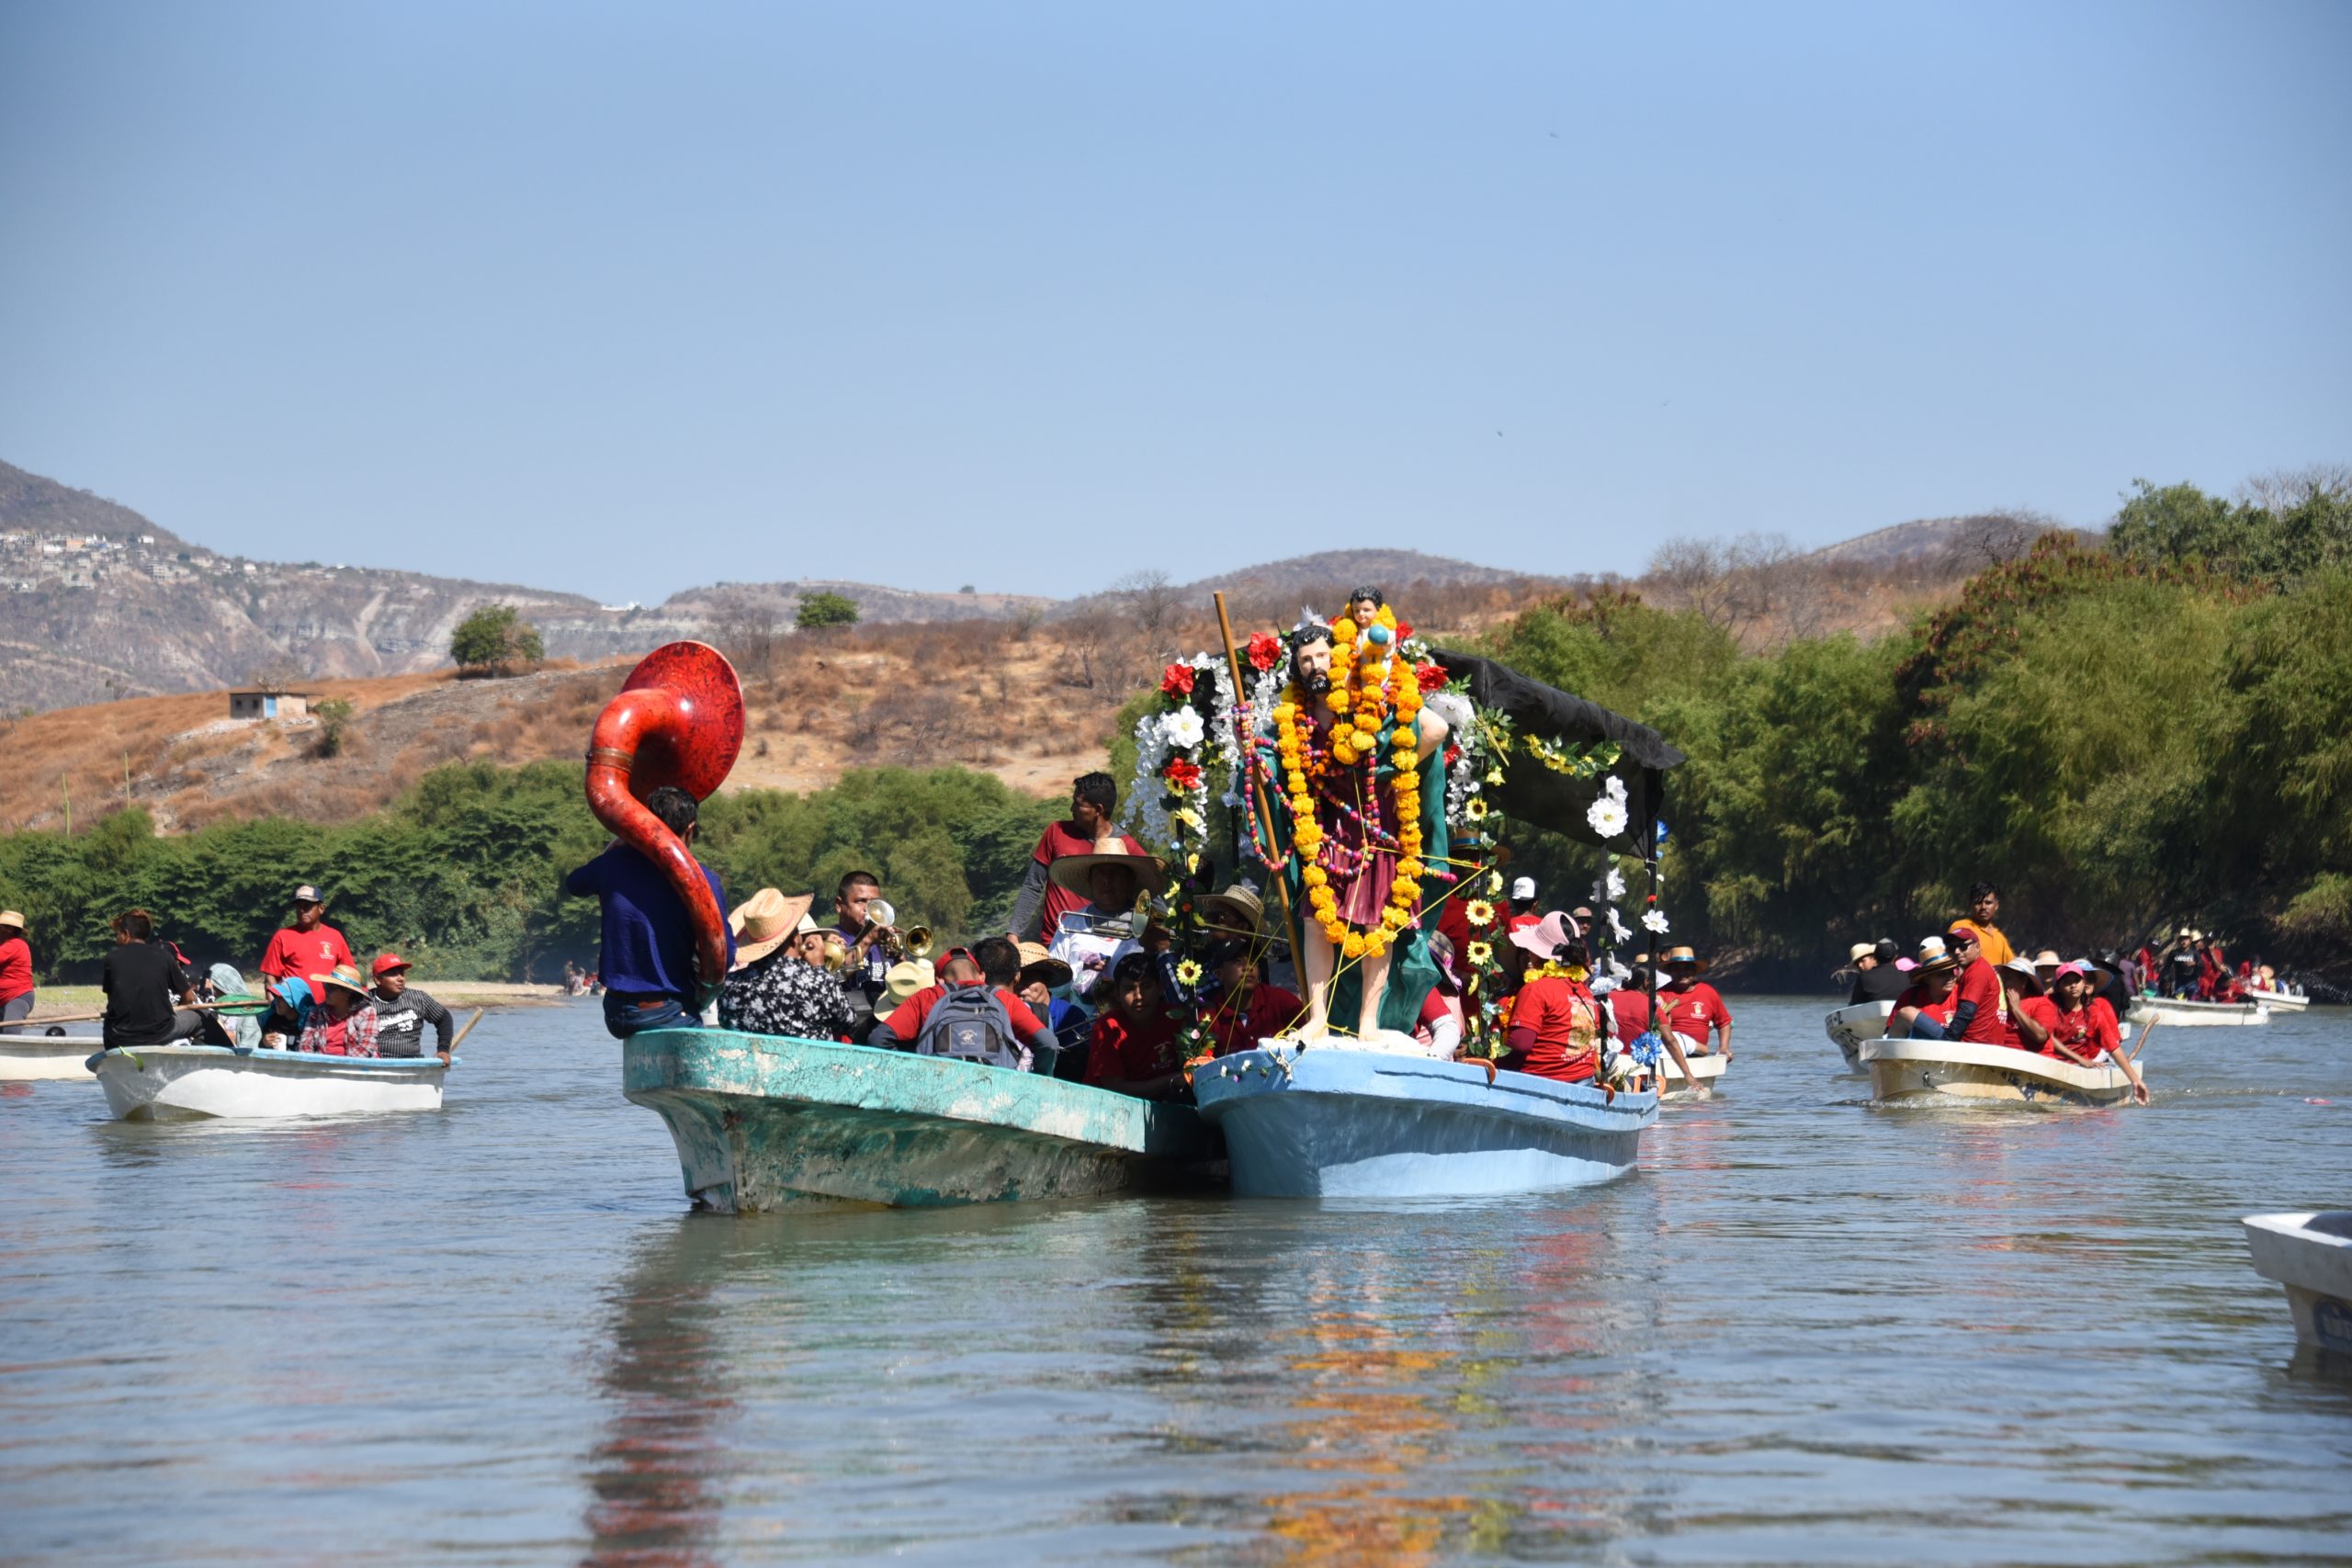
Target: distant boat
[(2184, 1014), (168, 1082), (1923, 1071), (1326, 1121), (29, 1058), (1705, 1068), (765, 1122), (2278, 1001), (2311, 1255), (1850, 1026)]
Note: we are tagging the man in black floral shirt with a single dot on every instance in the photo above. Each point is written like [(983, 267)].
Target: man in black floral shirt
[(780, 985)]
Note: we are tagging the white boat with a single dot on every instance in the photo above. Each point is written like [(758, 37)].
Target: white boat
[(2278, 1001), (2175, 1010), (1850, 1026), (1918, 1071), (1705, 1069), (27, 1058), (160, 1082), (2311, 1255)]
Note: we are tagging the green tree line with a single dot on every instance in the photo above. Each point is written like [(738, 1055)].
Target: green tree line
[(464, 875)]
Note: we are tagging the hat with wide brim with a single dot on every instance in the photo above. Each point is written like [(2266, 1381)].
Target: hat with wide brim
[(906, 977), (1038, 964), (2021, 972), (1546, 936), (343, 977), (1684, 957), (12, 917), (1070, 872), (1238, 910), (765, 921), (2047, 959)]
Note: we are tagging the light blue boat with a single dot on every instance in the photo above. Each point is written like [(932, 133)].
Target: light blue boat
[(765, 1122), (1328, 1122)]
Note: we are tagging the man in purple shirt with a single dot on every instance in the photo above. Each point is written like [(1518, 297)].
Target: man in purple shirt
[(648, 938)]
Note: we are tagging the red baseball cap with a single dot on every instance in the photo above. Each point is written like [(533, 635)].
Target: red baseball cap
[(385, 963)]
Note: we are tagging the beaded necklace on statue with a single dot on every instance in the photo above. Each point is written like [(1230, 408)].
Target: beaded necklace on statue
[(1375, 699)]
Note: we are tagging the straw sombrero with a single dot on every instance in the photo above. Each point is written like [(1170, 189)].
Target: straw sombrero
[(765, 921), (1070, 872), (344, 976), (1037, 963), (1675, 957), (1236, 911), (12, 917), (906, 977)]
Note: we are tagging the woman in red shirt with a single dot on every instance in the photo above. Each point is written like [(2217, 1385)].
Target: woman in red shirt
[(1555, 1022), (15, 970), (1692, 1005), (2083, 1025)]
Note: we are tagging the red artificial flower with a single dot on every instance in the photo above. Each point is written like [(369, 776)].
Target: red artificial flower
[(1177, 680), (1183, 775), (1452, 755), (1431, 676), (1265, 651), (1403, 631)]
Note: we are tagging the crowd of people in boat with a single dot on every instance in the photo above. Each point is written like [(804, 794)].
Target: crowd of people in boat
[(312, 997), (1969, 984), (1084, 986)]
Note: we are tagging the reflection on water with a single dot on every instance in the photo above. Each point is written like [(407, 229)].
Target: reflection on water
[(1807, 1329)]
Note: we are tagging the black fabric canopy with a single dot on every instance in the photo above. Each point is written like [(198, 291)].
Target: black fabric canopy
[(1533, 793)]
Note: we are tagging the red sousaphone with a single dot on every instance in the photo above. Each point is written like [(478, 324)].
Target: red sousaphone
[(678, 720)]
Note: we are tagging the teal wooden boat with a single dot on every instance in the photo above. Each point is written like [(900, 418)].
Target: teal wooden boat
[(763, 1121)]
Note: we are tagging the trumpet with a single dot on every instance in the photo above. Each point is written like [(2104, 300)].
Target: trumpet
[(915, 944)]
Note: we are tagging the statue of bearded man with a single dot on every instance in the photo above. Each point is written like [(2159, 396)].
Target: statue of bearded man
[(1357, 840)]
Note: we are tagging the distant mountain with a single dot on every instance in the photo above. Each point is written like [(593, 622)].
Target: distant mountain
[(1973, 541), (43, 506)]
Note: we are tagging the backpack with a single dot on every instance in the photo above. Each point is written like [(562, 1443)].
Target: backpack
[(969, 1024)]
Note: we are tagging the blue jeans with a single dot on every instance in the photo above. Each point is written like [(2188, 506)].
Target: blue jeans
[(625, 1016), (1927, 1026)]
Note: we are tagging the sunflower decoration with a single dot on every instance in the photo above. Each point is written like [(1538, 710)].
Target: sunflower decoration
[(1188, 972), (1480, 953), (1479, 912)]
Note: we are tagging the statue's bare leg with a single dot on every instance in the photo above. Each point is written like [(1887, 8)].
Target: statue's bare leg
[(1316, 956), (1374, 974)]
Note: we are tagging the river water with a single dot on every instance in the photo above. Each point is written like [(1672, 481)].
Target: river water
[(1807, 1331)]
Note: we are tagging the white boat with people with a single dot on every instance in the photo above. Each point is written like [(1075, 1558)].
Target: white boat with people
[(1850, 1026), (2310, 1255), (183, 1080), (1706, 1067), (32, 1058), (2190, 1014), (1925, 1071), (2277, 1000)]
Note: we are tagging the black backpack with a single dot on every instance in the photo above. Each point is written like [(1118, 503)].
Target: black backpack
[(970, 1024)]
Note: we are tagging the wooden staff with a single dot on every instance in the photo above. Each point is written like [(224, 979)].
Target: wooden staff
[(459, 1038), (1244, 748)]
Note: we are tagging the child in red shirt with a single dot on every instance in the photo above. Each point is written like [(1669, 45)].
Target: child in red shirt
[(1132, 1048)]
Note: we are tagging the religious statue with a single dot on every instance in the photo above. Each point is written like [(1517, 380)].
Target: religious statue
[(1351, 740)]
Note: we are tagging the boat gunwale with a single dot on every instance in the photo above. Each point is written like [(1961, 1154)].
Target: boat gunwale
[(1995, 1058), (181, 1051), (1563, 1104)]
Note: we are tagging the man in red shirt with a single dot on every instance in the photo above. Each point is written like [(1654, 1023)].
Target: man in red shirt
[(1980, 1016), (309, 946), (1133, 1048), (16, 971), (995, 962), (1247, 1007), (1038, 908), (1522, 906), (1629, 1012), (1554, 1023), (1692, 1007)]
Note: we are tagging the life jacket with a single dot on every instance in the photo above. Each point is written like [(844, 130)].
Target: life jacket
[(970, 1024)]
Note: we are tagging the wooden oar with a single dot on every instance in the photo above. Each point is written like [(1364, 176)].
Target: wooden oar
[(234, 1006), (459, 1038)]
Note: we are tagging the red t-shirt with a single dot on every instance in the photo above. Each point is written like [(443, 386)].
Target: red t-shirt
[(1269, 1011), (2086, 1032), (1940, 1008), (1521, 922), (1694, 1010), (1553, 1006), (905, 1020), (1980, 985), (2043, 1011), (1630, 1010), (16, 968), (1056, 842), (305, 954), (1118, 1052)]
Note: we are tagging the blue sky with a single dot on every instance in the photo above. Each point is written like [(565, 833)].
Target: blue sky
[(624, 299)]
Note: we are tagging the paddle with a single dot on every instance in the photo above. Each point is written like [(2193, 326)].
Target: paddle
[(459, 1038), (228, 1006)]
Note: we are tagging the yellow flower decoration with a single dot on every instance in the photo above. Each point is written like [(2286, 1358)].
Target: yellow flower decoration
[(1474, 810), (1479, 912), (1480, 951)]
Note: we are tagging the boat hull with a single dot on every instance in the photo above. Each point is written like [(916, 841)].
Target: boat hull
[(2309, 1255), (2187, 1014), (1327, 1121), (1918, 1071), (763, 1121), (33, 1058), (1850, 1026), (2279, 1001), (172, 1082), (1704, 1070)]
